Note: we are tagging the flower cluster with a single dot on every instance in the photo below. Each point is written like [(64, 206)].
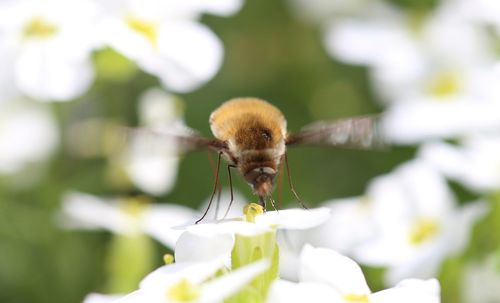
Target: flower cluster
[(435, 70), (53, 50), (237, 260)]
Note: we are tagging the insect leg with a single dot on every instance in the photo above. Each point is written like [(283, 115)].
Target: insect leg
[(291, 185), (214, 190), (219, 188), (230, 188)]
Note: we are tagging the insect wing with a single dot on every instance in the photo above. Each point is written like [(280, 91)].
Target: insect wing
[(357, 132), (174, 139)]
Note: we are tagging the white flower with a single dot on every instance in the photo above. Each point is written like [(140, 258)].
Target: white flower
[(425, 68), (350, 214), (327, 276), (473, 107), (405, 52), (165, 39), (476, 163), (417, 222), (28, 134), (189, 282), (50, 43), (207, 241), (150, 160), (124, 216)]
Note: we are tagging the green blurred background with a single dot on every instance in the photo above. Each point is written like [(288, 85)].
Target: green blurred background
[(270, 54)]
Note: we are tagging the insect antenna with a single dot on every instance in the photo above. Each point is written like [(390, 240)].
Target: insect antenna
[(230, 188), (214, 190), (291, 184), (273, 203)]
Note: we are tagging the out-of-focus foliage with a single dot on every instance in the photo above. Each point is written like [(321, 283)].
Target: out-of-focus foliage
[(270, 53)]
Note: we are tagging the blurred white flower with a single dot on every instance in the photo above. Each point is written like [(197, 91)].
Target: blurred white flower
[(410, 55), (49, 44), (28, 134), (166, 39), (100, 298), (193, 282), (481, 280), (349, 214), (475, 164), (327, 276), (426, 68), (125, 216), (417, 222), (151, 161), (471, 105)]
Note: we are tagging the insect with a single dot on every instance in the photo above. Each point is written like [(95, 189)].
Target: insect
[(251, 135)]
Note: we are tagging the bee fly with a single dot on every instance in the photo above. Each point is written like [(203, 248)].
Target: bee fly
[(251, 135)]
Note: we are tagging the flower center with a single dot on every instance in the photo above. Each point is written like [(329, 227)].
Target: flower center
[(146, 28), (445, 84), (37, 27), (423, 230), (135, 206), (251, 211), (355, 298), (168, 259), (183, 291)]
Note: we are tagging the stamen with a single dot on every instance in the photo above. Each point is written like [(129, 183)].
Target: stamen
[(423, 230), (168, 259), (251, 211), (145, 28), (183, 291), (37, 27)]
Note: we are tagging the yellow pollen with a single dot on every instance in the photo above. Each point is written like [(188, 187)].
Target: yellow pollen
[(134, 206), (422, 230), (183, 291), (145, 28), (251, 211), (37, 27), (445, 84), (168, 259), (354, 298)]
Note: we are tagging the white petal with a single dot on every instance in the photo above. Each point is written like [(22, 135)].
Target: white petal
[(327, 266), (372, 43), (189, 55), (207, 244), (100, 298), (46, 76), (282, 291), (86, 211), (294, 218), (135, 297), (403, 121), (156, 107), (151, 164), (28, 133), (159, 221), (219, 7), (166, 276), (215, 290), (411, 291)]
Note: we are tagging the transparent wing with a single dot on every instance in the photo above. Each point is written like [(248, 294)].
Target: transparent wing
[(357, 132), (174, 139)]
